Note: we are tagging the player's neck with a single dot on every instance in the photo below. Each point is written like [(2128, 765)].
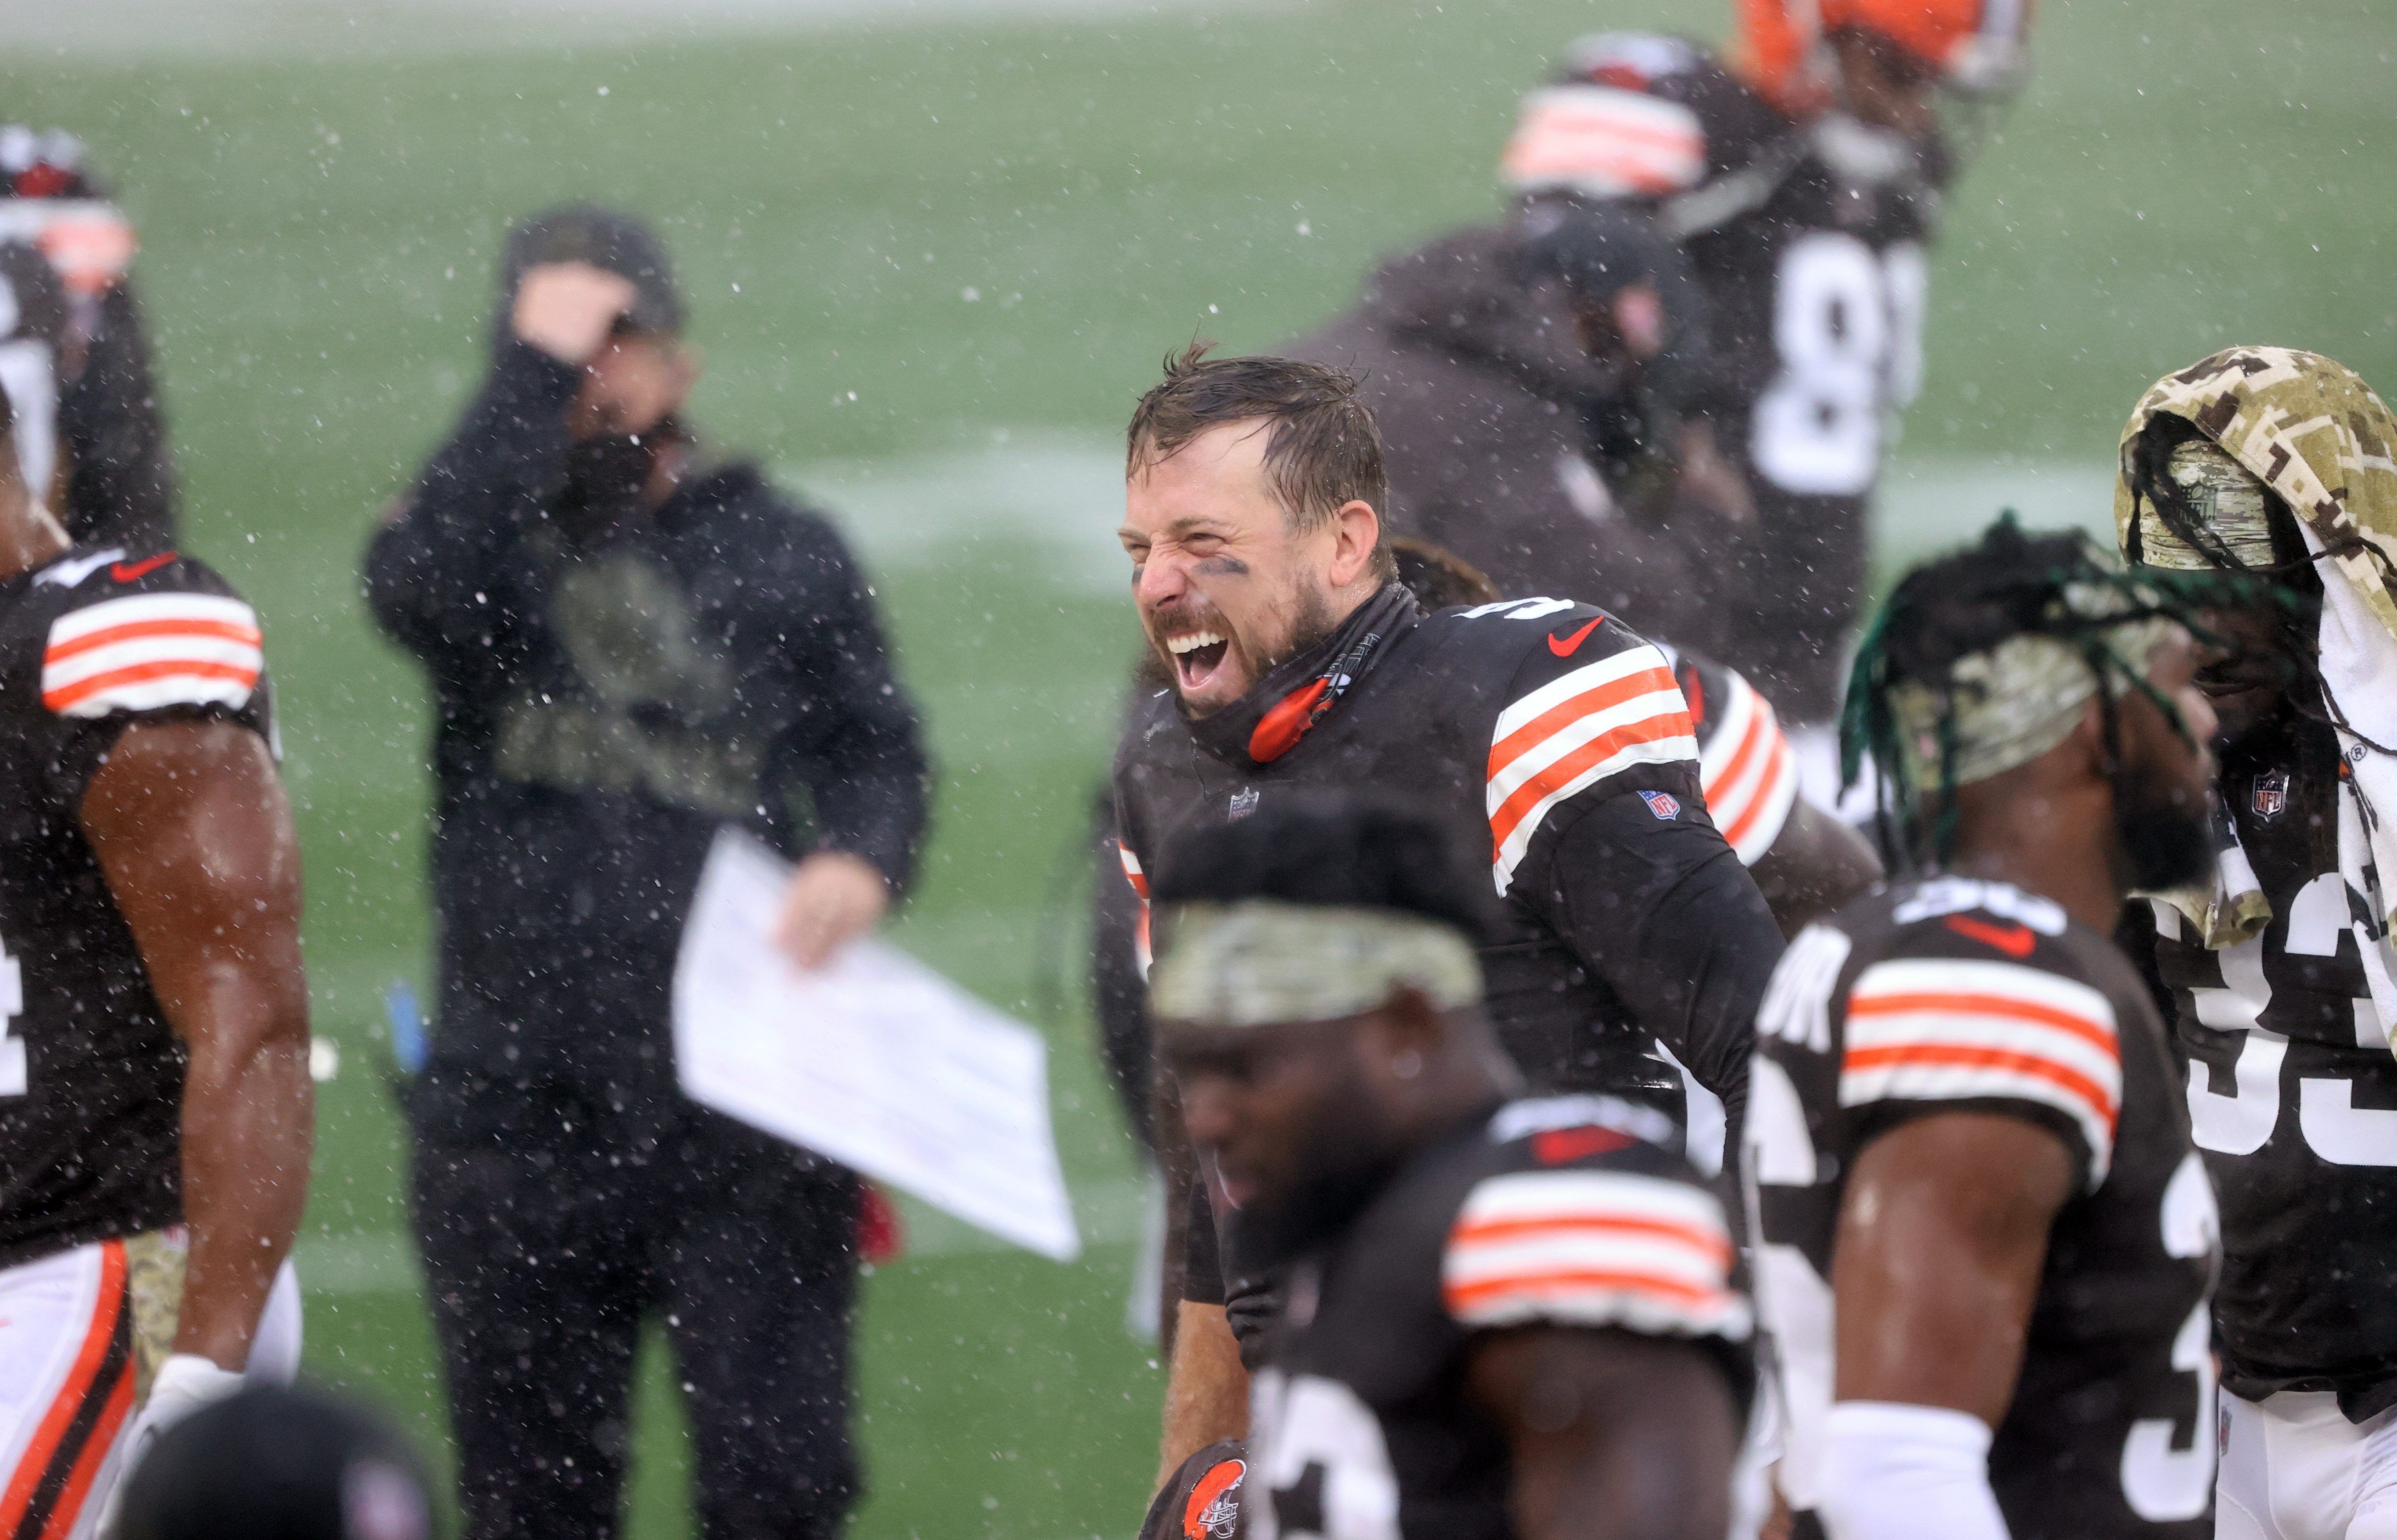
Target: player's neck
[(2059, 842), (29, 536)]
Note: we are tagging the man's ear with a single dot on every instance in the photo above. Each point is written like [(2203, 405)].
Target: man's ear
[(2088, 740), (1357, 530), (1409, 1022)]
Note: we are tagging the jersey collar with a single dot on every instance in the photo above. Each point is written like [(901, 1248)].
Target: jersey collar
[(1277, 712)]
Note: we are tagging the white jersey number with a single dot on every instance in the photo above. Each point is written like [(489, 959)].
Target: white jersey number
[(1319, 1469), (1847, 326), (2241, 1120), (12, 1005), (2161, 1483)]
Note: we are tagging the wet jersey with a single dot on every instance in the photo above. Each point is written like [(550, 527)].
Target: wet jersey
[(2293, 1097), (1809, 239), (1559, 744), (1955, 996), (1552, 1212), (1748, 772), (91, 1078)]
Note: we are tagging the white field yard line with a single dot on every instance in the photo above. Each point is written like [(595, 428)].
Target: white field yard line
[(382, 1262), (422, 28)]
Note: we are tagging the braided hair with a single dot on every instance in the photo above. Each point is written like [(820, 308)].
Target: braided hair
[(2012, 583)]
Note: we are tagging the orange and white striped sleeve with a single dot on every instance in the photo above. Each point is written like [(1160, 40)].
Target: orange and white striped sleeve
[(1592, 1248), (1143, 949), (1939, 1029), (1608, 717), (150, 652), (1748, 771)]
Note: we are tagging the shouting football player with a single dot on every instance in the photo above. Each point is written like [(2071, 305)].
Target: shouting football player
[(1984, 1239), (1799, 183), (2272, 466), (1504, 1317), (1543, 730), (155, 1110)]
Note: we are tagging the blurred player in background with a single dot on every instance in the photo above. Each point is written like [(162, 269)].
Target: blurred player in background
[(1504, 1317), (1799, 184), (1983, 1238), (2272, 467), (72, 355), (629, 651), (155, 1110)]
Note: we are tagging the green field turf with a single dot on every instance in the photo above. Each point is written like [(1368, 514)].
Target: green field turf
[(931, 266)]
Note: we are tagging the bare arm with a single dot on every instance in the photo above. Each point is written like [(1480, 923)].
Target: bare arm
[(1613, 1435), (1942, 1238), (1206, 1388), (194, 833)]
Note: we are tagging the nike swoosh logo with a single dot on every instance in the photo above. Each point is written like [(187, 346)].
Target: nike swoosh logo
[(2015, 941), (1565, 648), (123, 572)]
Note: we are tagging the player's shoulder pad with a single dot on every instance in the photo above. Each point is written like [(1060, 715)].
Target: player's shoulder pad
[(1586, 1221), (1580, 699), (1973, 1000), (1526, 642), (1745, 765), (1621, 124), (143, 633)]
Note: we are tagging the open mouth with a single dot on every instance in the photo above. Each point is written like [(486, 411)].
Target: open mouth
[(1196, 657)]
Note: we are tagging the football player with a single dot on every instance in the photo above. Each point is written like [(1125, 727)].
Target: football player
[(1505, 1317), (1802, 180), (2272, 467), (72, 356), (1543, 730), (156, 1109), (1983, 1236)]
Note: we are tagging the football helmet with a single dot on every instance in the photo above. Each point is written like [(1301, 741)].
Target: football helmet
[(1980, 48)]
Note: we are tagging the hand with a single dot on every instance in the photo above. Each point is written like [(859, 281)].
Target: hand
[(184, 1383), (834, 898), (567, 309)]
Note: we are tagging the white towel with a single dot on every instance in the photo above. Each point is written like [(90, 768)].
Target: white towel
[(2359, 670)]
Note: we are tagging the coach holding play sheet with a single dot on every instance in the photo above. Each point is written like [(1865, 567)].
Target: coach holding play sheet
[(627, 651)]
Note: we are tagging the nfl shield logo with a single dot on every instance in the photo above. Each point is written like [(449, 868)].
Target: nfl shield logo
[(2271, 795), (1244, 802), (1662, 804)]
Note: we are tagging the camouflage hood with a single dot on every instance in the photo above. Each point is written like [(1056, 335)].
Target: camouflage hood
[(2307, 427), (2313, 430)]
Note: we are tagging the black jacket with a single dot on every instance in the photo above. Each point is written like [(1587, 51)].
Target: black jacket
[(606, 703)]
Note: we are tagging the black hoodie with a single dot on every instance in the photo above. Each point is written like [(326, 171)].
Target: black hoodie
[(605, 699)]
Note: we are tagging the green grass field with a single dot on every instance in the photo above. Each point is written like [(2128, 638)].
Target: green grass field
[(931, 266)]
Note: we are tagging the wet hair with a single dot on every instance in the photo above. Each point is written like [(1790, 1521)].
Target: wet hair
[(1322, 448), (1331, 848), (1437, 576), (2011, 583)]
